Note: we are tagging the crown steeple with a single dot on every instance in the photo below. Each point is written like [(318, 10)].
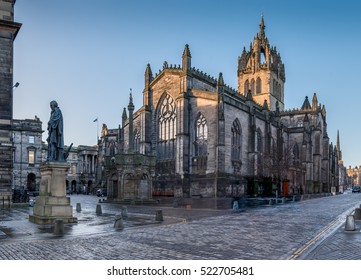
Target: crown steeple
[(261, 70)]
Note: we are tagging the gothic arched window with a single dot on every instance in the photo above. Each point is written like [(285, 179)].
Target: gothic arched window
[(259, 142), (253, 86), (236, 141), (317, 144), (166, 128), (258, 85), (246, 87), (200, 143), (296, 154)]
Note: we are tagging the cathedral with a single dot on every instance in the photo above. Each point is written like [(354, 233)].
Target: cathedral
[(197, 141)]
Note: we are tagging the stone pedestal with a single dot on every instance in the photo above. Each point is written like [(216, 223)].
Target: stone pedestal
[(52, 203)]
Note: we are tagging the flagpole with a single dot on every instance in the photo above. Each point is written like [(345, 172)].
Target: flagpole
[(96, 120)]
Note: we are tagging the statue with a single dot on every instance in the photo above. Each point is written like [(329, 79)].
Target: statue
[(56, 137)]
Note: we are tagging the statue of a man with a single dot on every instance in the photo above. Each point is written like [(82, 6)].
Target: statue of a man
[(56, 136)]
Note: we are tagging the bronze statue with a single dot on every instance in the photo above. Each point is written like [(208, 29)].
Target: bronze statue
[(56, 137)]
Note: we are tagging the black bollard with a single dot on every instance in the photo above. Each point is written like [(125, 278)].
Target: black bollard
[(59, 227), (159, 216), (99, 209), (118, 222), (350, 223)]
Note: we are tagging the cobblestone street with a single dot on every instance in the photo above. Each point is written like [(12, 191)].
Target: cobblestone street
[(309, 229)]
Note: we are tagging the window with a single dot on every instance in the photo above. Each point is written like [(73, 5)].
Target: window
[(296, 154), (166, 128), (200, 143), (236, 141), (31, 156), (253, 86), (31, 139), (258, 85), (259, 142), (73, 169), (317, 144), (246, 87), (137, 141)]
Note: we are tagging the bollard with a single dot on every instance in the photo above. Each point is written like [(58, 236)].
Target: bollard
[(59, 227), (350, 223), (159, 216), (78, 207), (118, 222), (270, 202), (124, 212), (99, 209), (294, 198), (283, 200), (357, 214)]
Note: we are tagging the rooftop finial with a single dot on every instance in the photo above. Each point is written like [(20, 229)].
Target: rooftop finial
[(131, 105), (262, 26)]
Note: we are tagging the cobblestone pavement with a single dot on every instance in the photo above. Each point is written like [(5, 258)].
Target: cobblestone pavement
[(341, 245), (309, 229)]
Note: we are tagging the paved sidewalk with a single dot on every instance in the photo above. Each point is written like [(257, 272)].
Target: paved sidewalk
[(295, 230), (339, 245)]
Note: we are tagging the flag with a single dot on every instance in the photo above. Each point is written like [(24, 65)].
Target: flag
[(95, 120)]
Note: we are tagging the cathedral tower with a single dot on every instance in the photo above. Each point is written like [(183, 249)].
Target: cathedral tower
[(261, 71)]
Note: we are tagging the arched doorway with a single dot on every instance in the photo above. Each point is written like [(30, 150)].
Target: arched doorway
[(90, 186), (73, 186), (31, 182)]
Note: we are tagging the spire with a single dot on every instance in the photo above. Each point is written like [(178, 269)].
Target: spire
[(131, 105), (262, 27), (124, 115), (220, 90), (130, 123), (306, 104), (265, 105), (148, 75), (323, 111), (314, 102), (220, 79), (338, 147), (186, 58)]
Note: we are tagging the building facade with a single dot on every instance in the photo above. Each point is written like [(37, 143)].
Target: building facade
[(27, 143), (196, 140), (8, 31)]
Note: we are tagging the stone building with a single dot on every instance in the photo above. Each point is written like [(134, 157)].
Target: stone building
[(8, 31), (354, 174), (27, 143), (197, 141)]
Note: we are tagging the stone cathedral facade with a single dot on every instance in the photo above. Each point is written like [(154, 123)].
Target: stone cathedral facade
[(195, 140)]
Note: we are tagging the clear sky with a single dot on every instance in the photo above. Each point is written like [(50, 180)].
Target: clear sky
[(87, 54)]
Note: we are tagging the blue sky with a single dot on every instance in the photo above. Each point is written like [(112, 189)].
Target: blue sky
[(87, 54)]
